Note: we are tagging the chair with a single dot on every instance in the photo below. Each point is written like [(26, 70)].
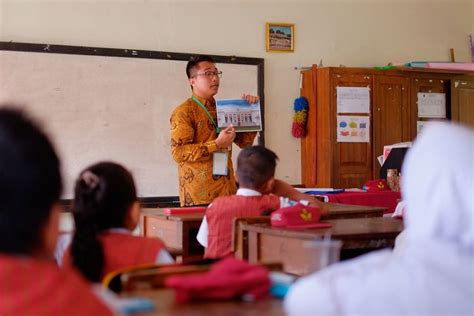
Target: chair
[(149, 276), (146, 277), (239, 238)]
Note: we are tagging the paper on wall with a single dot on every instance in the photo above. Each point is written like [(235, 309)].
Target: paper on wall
[(353, 100), (431, 105), (353, 129)]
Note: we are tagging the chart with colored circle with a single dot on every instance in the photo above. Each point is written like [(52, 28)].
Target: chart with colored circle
[(353, 129)]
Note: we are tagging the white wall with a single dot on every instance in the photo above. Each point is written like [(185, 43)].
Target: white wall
[(349, 32)]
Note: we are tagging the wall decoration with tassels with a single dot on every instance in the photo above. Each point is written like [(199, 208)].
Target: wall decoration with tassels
[(300, 107)]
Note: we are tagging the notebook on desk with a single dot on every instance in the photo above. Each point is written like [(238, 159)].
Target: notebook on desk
[(320, 191)]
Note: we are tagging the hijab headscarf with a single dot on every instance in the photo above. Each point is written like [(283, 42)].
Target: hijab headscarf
[(439, 186), (433, 272)]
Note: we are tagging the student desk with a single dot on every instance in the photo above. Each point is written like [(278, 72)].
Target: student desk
[(179, 232), (164, 301), (387, 199), (265, 243), (340, 211)]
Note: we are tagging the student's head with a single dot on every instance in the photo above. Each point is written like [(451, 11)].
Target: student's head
[(256, 168), (437, 185), (30, 186), (104, 197), (203, 76)]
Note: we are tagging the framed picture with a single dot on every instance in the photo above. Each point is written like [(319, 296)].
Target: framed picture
[(280, 37)]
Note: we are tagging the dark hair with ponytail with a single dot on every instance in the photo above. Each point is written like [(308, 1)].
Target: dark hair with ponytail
[(103, 195)]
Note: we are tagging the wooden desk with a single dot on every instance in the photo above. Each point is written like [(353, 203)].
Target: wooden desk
[(179, 232), (289, 246), (340, 211), (164, 301), (387, 199)]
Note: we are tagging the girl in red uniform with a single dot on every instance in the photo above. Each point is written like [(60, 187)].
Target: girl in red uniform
[(106, 211)]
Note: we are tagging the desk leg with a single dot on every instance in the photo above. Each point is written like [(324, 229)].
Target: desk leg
[(142, 225), (192, 250), (253, 247)]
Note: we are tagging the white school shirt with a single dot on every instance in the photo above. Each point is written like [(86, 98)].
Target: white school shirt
[(203, 229)]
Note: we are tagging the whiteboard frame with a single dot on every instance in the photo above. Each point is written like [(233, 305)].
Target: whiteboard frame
[(161, 201)]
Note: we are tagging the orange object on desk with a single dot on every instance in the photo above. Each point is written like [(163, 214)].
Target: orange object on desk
[(386, 198)]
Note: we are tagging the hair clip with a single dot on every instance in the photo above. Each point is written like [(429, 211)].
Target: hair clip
[(90, 179)]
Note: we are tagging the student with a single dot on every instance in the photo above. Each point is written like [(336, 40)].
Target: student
[(30, 186), (106, 211), (255, 173), (196, 143), (432, 274)]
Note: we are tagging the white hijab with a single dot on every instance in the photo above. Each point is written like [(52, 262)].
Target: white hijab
[(433, 274)]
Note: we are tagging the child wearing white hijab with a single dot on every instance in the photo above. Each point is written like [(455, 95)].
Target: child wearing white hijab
[(433, 273)]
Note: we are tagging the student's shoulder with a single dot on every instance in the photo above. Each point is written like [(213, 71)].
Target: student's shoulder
[(71, 285), (148, 241), (224, 200)]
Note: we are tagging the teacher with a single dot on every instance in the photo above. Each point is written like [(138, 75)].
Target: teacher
[(202, 151)]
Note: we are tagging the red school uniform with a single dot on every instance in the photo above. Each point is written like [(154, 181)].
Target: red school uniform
[(223, 210), (123, 250), (34, 287)]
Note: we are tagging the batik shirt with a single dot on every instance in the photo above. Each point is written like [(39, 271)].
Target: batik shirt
[(193, 142)]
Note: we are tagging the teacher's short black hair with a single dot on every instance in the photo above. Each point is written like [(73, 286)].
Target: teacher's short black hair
[(194, 61), (30, 181)]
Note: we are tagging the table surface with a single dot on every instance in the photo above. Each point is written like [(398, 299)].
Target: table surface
[(387, 199), (337, 210), (165, 305)]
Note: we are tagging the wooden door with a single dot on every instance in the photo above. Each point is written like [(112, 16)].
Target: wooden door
[(352, 162), (391, 115), (427, 85), (463, 101)]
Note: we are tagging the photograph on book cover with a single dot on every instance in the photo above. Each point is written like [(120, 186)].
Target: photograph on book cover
[(243, 116)]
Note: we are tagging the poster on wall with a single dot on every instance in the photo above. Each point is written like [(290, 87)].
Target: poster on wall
[(419, 126), (353, 100), (353, 129), (431, 105)]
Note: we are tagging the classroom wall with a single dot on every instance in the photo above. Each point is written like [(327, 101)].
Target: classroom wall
[(472, 20), (348, 32)]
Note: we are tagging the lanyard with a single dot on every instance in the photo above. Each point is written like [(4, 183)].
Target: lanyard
[(208, 114)]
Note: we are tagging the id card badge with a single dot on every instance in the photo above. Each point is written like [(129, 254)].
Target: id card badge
[(219, 163)]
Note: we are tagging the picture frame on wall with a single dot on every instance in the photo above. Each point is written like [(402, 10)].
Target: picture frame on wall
[(280, 37)]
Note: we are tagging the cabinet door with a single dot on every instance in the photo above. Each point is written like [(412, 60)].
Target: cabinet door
[(352, 165), (391, 115), (463, 101), (427, 85)]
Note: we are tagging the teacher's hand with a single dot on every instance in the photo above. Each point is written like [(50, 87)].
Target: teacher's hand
[(251, 99), (226, 137)]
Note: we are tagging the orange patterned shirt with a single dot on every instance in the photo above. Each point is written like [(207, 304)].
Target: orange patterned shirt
[(193, 138)]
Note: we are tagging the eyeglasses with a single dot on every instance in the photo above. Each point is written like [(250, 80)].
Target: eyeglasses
[(210, 74)]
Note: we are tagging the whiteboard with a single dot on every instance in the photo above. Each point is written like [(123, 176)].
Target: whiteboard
[(114, 106)]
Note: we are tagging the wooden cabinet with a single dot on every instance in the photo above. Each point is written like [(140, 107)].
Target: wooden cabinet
[(463, 100), (393, 118), (391, 115), (327, 163), (427, 83)]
